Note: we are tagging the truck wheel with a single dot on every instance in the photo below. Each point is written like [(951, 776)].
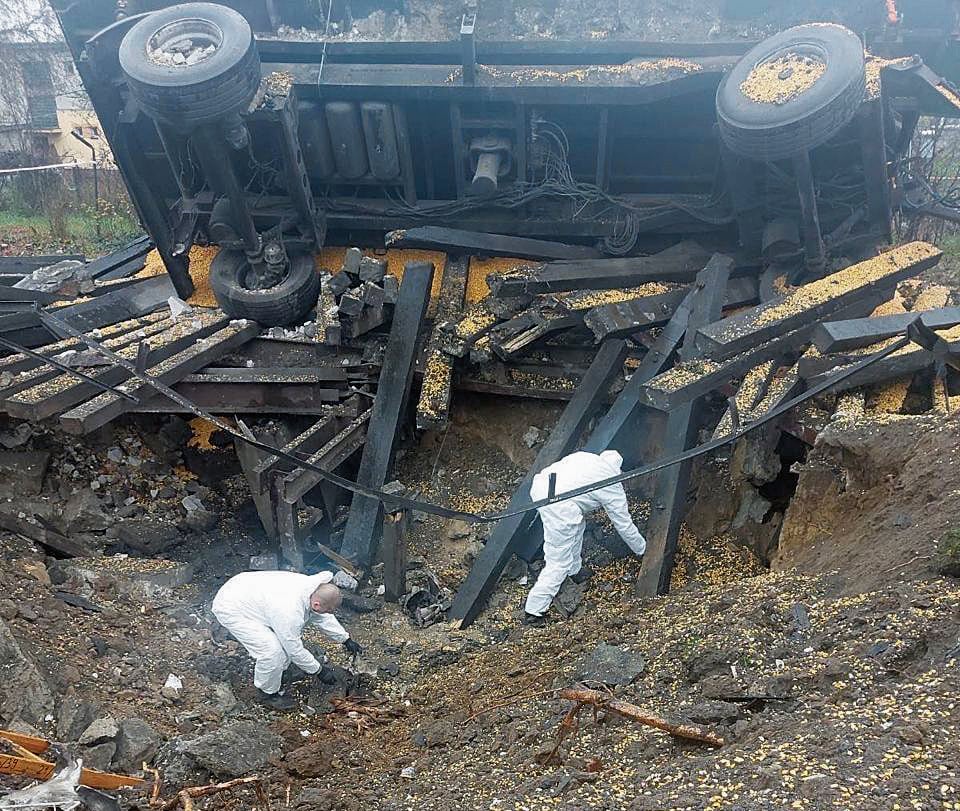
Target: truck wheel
[(284, 303), (792, 92), (191, 64)]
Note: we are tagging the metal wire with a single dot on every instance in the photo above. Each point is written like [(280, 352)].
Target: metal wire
[(395, 501)]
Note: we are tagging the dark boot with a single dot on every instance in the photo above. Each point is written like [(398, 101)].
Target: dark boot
[(533, 620), (275, 701)]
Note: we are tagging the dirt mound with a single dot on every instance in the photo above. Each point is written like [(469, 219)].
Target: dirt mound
[(873, 499)]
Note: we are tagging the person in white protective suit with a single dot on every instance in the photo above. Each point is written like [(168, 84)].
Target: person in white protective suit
[(564, 522), (266, 613)]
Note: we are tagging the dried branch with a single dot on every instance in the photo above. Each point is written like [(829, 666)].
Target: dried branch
[(599, 701)]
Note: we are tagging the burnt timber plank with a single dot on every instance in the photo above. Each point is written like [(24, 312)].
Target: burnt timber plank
[(811, 303), (332, 454), (228, 375), (306, 442), (908, 360), (509, 533), (19, 362), (250, 458), (838, 336), (679, 263), (365, 522), (107, 406), (306, 399), (607, 431), (328, 315), (138, 299), (626, 317), (669, 501), (62, 392), (691, 379), (454, 239), (433, 407)]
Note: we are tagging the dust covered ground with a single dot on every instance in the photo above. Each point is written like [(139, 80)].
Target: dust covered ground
[(830, 689)]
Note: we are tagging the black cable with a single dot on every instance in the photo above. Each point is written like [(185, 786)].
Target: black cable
[(394, 500)]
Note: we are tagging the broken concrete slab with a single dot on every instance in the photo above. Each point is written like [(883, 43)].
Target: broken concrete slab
[(26, 695), (22, 472), (612, 665), (137, 743), (233, 749)]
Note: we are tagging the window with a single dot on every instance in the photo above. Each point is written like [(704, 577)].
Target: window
[(43, 112), (36, 78)]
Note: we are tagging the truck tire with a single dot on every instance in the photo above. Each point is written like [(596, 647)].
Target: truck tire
[(824, 65), (187, 95), (284, 303)]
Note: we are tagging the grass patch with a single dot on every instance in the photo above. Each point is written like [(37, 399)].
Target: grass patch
[(89, 234)]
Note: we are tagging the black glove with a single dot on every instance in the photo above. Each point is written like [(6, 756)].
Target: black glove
[(352, 647)]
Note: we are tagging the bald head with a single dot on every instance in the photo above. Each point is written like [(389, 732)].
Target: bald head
[(326, 599)]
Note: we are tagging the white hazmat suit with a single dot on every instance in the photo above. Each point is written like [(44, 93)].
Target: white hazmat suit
[(266, 612), (564, 522)]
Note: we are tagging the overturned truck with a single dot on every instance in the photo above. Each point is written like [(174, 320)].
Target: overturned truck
[(650, 188)]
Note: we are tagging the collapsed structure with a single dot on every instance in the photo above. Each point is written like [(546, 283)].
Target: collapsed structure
[(628, 227)]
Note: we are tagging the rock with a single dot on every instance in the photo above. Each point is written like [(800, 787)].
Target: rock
[(359, 604), (458, 529), (37, 571), (137, 743), (608, 664), (8, 609), (223, 698), (83, 512), (102, 729), (569, 597), (99, 756), (234, 749), (25, 611), (708, 712), (147, 536), (75, 716), (309, 760), (26, 695), (947, 560), (22, 472), (200, 520), (263, 563), (532, 436)]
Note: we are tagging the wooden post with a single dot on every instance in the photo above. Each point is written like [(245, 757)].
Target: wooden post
[(394, 555)]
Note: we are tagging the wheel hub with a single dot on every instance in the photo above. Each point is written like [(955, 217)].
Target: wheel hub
[(783, 77), (183, 43)]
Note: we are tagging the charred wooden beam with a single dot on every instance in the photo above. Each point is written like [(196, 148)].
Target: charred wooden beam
[(19, 363), (307, 399), (105, 407), (508, 535), (251, 374), (306, 443), (365, 522), (811, 303), (627, 317), (906, 361), (453, 239), (839, 336), (677, 264), (63, 392), (669, 501), (627, 404), (435, 390), (771, 392), (347, 441)]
